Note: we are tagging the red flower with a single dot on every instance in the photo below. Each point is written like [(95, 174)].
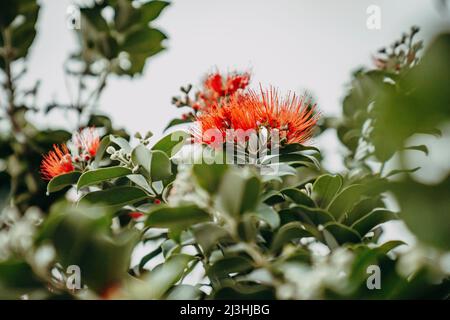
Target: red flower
[(87, 141), (217, 86), (214, 83), (136, 215), (292, 116), (236, 82), (56, 162)]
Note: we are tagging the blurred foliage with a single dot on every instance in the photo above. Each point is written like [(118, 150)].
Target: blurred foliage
[(127, 40)]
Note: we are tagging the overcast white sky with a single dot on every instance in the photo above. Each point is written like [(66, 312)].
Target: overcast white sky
[(293, 45)]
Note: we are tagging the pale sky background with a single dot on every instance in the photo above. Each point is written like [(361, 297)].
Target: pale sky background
[(293, 45)]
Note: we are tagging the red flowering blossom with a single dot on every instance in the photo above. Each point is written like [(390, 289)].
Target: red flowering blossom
[(136, 215), (217, 86), (56, 162), (87, 141), (292, 116)]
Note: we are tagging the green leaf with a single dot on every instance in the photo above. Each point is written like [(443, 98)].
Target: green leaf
[(342, 234), (161, 167), (298, 197), (346, 200), (209, 176), (325, 189), (361, 209), (273, 197), (99, 175), (94, 17), (17, 278), (423, 148), (144, 41), (228, 265), (162, 278), (62, 181), (312, 216), (82, 236), (141, 156), (268, 214), (389, 245), (151, 10), (176, 218), (176, 122), (287, 233), (208, 235), (424, 208), (104, 143), (239, 291), (238, 193), (125, 15), (184, 292), (296, 147), (121, 142), (156, 164), (116, 197), (372, 219), (148, 257), (172, 143), (398, 171)]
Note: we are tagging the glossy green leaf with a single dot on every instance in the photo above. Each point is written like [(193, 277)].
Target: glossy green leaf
[(398, 171), (162, 278), (312, 216), (372, 219), (97, 176), (424, 208), (423, 148), (208, 235), (184, 292), (342, 234), (172, 143), (149, 256), (209, 176), (325, 189), (287, 233), (104, 143), (298, 197), (238, 193), (151, 10), (267, 214), (346, 200), (62, 181), (116, 197), (161, 167), (229, 265), (176, 218), (121, 142), (156, 164), (144, 40)]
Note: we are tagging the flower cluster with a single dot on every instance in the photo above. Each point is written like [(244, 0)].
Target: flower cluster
[(62, 159), (216, 88), (293, 118)]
